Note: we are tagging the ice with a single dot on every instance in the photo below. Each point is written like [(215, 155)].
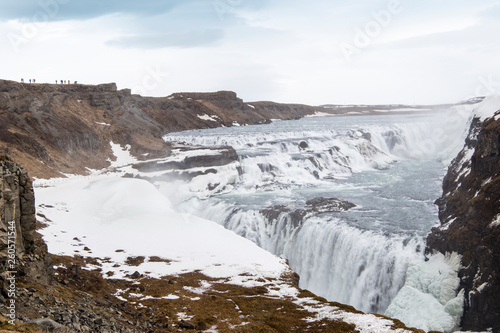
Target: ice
[(429, 299)]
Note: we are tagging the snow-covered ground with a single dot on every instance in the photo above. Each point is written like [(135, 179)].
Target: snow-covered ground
[(132, 216)]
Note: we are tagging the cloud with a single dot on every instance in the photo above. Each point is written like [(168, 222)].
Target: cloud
[(85, 9), (59, 10), (477, 35), (187, 39)]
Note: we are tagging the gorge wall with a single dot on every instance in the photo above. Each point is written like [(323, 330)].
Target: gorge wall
[(55, 129), (21, 250), (469, 211)]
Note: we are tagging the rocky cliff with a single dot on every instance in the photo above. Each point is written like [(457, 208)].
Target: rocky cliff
[(469, 211), (22, 252), (53, 129)]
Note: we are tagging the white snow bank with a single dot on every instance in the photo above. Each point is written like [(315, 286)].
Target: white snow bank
[(131, 215), (488, 107), (429, 299)]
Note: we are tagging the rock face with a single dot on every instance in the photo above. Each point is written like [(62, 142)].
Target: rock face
[(52, 129), (21, 250), (313, 207), (469, 211)]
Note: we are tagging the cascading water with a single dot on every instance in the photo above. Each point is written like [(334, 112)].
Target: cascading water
[(388, 166)]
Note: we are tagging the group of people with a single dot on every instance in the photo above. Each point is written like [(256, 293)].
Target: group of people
[(61, 81), (66, 82)]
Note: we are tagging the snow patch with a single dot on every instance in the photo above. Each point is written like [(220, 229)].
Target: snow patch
[(122, 155), (495, 222), (208, 118), (319, 114)]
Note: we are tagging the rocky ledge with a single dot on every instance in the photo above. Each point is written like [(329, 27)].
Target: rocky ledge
[(312, 207), (469, 211)]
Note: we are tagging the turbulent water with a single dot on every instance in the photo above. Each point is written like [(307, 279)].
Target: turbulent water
[(389, 166)]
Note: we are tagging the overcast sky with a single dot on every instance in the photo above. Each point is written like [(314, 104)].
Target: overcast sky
[(313, 52)]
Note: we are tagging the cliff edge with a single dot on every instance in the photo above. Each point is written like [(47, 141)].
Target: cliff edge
[(469, 211), (56, 129)]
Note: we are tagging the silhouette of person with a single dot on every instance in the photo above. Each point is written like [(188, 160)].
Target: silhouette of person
[(56, 81), (33, 80), (30, 80), (22, 80), (76, 82)]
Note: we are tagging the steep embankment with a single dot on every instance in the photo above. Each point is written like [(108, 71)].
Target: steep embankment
[(469, 211), (53, 129)]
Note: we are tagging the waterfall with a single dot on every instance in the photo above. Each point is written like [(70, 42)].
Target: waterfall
[(385, 165)]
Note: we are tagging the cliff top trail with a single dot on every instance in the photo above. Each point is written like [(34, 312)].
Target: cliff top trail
[(53, 129)]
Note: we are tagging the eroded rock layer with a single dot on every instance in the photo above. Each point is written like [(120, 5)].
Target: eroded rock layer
[(469, 211)]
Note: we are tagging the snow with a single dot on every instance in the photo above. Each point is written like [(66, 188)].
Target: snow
[(429, 298), (171, 297), (365, 323), (104, 124), (488, 107), (250, 105), (122, 155), (207, 117), (319, 114), (495, 222), (130, 214)]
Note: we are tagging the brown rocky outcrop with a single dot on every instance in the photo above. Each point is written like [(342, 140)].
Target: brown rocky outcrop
[(469, 211), (53, 129)]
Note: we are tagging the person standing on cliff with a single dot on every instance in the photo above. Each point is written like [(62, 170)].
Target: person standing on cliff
[(22, 80)]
